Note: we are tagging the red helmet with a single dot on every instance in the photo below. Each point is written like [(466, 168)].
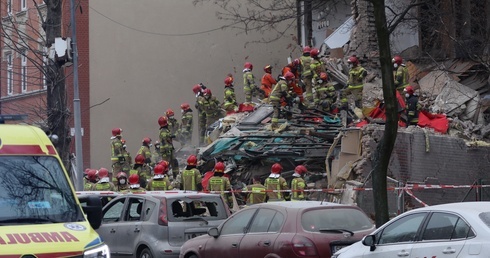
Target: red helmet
[(185, 106), (192, 160), (409, 90), (306, 49), (165, 165), (139, 159), (169, 113), (207, 92), (228, 81), (134, 179), (248, 65), (121, 175), (353, 60), (146, 140), (276, 168), (116, 131), (163, 121), (158, 170), (314, 52), (92, 174), (397, 60), (300, 169), (296, 62), (323, 76), (268, 68), (196, 89), (219, 167), (289, 76), (103, 172)]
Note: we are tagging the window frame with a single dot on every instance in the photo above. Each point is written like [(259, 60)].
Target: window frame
[(123, 200), (9, 7), (23, 5), (381, 234), (45, 68), (233, 219), (10, 74), (23, 71), (258, 215)]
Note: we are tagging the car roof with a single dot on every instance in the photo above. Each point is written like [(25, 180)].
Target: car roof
[(171, 194), (459, 207), (303, 204)]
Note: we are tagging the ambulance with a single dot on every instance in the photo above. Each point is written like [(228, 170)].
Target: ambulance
[(40, 215)]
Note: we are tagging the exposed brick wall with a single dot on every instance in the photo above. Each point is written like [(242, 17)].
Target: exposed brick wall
[(448, 161)]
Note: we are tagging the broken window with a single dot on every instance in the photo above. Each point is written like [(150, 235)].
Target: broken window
[(207, 208)]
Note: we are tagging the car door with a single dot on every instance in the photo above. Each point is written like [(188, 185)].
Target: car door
[(130, 228), (111, 218), (262, 234), (397, 237), (232, 231), (444, 236)]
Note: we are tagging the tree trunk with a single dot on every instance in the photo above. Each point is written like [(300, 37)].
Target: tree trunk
[(308, 16), (383, 152), (57, 111)]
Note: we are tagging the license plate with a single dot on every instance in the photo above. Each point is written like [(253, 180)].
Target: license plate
[(192, 235)]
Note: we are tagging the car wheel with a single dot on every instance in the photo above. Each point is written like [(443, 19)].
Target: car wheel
[(146, 253), (193, 256)]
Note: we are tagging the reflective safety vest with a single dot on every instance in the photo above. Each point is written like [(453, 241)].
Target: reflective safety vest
[(217, 183), (159, 185), (401, 77), (249, 79), (189, 179), (257, 195), (306, 66), (279, 90), (273, 184), (298, 184), (116, 149), (187, 121), (356, 76), (87, 186), (137, 190), (104, 187)]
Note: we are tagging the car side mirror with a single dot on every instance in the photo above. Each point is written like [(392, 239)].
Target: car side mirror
[(93, 209), (369, 240), (214, 232)]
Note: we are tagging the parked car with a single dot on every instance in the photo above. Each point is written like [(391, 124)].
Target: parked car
[(156, 224), (283, 229), (446, 230)]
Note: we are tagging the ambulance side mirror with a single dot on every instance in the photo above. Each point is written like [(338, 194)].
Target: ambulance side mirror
[(93, 209)]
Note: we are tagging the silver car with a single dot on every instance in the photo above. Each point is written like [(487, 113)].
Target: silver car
[(156, 224)]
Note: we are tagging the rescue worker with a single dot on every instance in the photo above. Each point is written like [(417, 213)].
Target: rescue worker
[(413, 106), (198, 90), (191, 177), (298, 183), (104, 183), (267, 82), (257, 192), (134, 184), (325, 94), (307, 74), (145, 150), (229, 101), (218, 182), (249, 87), (276, 183), (173, 124), (185, 132), (122, 184), (211, 107), (155, 154), (280, 91), (317, 66), (117, 156), (160, 181), (128, 160), (141, 169), (400, 74), (294, 67), (90, 179), (355, 83), (166, 145)]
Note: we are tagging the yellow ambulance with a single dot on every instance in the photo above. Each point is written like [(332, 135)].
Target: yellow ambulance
[(40, 215)]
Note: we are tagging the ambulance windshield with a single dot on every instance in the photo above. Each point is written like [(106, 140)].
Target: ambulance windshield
[(34, 189)]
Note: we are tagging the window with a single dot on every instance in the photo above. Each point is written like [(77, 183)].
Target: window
[(263, 221), (335, 220), (23, 71), (23, 5), (443, 226), (186, 209), (9, 7), (10, 75), (113, 213), (238, 223), (45, 67), (402, 230), (134, 209), (148, 209)]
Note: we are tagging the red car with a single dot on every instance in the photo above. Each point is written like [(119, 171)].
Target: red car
[(283, 229)]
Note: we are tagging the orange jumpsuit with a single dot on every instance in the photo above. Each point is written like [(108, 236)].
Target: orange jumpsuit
[(267, 83), (295, 87)]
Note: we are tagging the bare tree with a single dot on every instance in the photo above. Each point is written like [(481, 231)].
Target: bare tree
[(31, 38)]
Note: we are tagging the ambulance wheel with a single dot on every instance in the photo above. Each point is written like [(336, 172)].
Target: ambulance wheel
[(146, 253)]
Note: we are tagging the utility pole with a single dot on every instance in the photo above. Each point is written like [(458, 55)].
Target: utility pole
[(76, 101)]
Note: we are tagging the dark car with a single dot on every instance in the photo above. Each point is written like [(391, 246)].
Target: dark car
[(156, 224), (283, 229)]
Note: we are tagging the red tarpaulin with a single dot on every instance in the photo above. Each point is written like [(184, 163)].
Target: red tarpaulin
[(437, 121)]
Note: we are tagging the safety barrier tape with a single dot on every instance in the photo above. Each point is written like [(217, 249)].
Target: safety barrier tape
[(409, 192)]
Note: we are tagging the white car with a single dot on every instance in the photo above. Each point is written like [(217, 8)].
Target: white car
[(446, 230)]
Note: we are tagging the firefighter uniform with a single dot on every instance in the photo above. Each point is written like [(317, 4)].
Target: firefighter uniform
[(190, 179), (325, 95), (103, 185), (249, 87), (229, 101), (307, 76), (257, 193), (276, 183), (185, 132), (280, 90), (159, 183), (401, 76), (117, 156), (298, 186), (356, 84)]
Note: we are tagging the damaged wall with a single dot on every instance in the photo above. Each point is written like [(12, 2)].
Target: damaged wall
[(440, 159)]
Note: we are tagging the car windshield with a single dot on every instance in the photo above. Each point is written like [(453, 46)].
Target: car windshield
[(34, 189), (336, 220), (203, 208)]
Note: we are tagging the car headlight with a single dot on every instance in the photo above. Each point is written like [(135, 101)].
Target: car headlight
[(98, 252)]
